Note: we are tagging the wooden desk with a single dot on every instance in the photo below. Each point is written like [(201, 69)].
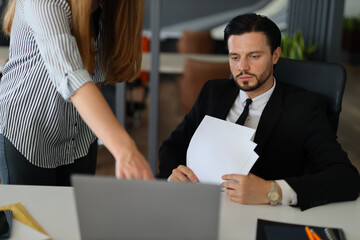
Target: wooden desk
[(54, 209)]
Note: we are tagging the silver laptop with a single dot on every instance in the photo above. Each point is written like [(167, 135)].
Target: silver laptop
[(109, 208)]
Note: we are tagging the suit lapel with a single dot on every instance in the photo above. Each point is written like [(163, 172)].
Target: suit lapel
[(269, 118), (225, 99)]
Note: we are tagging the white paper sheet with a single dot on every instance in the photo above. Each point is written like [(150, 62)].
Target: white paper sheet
[(21, 231), (220, 147)]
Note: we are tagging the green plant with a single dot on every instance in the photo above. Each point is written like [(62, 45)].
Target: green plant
[(295, 48), (352, 23)]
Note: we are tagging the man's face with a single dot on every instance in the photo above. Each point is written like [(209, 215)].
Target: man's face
[(251, 62)]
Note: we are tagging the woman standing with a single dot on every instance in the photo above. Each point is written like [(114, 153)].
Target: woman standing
[(51, 109)]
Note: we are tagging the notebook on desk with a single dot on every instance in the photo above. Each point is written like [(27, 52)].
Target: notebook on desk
[(133, 209), (272, 230)]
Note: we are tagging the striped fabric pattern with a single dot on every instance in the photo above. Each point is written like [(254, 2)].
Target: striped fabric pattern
[(44, 70)]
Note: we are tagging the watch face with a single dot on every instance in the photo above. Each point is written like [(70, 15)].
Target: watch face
[(273, 196)]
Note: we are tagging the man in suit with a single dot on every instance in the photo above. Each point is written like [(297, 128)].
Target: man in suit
[(300, 162)]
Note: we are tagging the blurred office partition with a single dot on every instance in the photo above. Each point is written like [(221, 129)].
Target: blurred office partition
[(320, 21)]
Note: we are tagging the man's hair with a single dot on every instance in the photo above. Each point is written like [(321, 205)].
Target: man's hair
[(252, 22)]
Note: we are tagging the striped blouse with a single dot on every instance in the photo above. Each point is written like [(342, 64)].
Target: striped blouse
[(44, 70)]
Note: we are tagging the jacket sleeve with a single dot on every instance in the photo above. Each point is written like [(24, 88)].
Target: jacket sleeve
[(173, 150), (330, 176)]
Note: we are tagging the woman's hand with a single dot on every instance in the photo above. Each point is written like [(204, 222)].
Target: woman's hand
[(131, 165), (97, 114)]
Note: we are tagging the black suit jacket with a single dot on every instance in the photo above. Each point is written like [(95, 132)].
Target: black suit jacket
[(295, 142)]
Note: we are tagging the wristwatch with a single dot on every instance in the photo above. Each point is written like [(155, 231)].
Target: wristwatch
[(273, 194)]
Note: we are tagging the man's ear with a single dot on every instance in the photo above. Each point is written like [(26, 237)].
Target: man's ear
[(276, 55)]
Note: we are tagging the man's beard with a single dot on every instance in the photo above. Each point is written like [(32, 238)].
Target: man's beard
[(259, 80)]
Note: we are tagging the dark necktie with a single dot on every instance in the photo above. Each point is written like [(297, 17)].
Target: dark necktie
[(244, 114)]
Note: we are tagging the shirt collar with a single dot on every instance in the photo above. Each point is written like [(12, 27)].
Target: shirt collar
[(259, 100)]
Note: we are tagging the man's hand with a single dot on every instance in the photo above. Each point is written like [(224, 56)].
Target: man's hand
[(183, 174), (248, 189)]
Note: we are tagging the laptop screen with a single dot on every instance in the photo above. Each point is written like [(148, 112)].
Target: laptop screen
[(109, 208)]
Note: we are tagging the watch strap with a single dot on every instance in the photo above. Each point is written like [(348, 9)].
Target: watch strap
[(273, 192)]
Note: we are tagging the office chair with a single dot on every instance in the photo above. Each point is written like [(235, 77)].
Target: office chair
[(327, 79), (195, 42), (196, 73)]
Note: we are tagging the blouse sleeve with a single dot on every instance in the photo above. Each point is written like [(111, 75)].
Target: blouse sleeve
[(50, 22)]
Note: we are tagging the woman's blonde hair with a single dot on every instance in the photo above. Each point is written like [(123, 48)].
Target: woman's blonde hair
[(123, 24)]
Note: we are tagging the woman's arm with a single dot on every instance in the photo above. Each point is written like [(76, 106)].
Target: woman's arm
[(50, 23), (97, 114)]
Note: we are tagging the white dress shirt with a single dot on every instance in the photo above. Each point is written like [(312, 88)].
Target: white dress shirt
[(289, 196)]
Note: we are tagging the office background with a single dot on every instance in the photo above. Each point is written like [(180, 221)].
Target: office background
[(179, 15), (171, 113), (176, 14)]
